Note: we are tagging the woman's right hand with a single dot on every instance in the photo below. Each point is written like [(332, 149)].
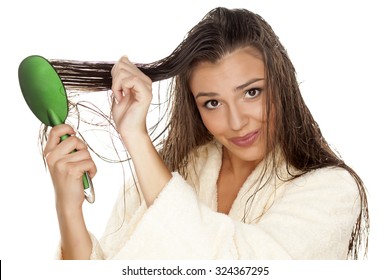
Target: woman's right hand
[(67, 166)]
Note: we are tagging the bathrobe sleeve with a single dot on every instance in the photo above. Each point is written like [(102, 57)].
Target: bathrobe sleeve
[(312, 217)]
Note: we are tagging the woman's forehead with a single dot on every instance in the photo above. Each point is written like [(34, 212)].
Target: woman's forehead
[(234, 68)]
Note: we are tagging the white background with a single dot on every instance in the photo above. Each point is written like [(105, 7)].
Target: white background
[(339, 48)]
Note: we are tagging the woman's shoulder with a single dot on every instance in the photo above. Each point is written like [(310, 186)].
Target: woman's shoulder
[(327, 180), (330, 174)]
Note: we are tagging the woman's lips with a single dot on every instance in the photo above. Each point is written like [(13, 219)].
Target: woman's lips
[(245, 141)]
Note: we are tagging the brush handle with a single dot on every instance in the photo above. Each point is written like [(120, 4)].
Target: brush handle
[(89, 191)]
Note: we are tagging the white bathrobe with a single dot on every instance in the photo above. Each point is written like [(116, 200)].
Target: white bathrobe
[(310, 217)]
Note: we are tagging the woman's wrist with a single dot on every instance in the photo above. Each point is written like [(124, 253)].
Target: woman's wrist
[(69, 215), (152, 173), (135, 140)]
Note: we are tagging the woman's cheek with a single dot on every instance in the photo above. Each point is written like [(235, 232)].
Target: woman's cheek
[(213, 121)]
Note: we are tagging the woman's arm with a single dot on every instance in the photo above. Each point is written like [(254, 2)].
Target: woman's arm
[(66, 169), (152, 173), (132, 92)]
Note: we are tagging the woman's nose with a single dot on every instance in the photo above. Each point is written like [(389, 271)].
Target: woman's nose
[(237, 118)]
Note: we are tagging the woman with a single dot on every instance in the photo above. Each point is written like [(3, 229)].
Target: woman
[(243, 173)]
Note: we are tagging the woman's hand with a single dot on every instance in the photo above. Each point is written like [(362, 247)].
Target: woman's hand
[(67, 167), (132, 93)]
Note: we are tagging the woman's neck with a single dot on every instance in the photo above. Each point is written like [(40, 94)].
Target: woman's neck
[(238, 167), (234, 172)]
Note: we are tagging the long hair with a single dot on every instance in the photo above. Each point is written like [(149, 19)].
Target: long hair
[(220, 32)]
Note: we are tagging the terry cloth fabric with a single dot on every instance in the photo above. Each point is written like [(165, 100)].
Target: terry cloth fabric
[(310, 217)]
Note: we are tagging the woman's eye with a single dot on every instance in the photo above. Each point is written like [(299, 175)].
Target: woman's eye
[(212, 104), (252, 93)]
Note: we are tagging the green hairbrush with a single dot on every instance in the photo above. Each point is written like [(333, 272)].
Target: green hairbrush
[(46, 96)]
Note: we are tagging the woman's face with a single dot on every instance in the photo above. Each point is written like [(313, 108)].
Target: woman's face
[(230, 96)]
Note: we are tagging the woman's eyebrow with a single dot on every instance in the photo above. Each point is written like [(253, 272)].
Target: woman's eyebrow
[(208, 94), (241, 87), (238, 88)]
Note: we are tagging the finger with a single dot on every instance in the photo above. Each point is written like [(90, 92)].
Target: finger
[(117, 87), (55, 135), (63, 149), (79, 155), (74, 163), (71, 144), (131, 86), (126, 66), (122, 64), (82, 162), (76, 169), (137, 89), (91, 169), (125, 63), (58, 131)]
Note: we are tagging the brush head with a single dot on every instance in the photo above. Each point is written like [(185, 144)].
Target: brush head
[(43, 90)]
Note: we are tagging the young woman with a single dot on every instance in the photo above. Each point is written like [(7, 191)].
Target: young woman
[(243, 172)]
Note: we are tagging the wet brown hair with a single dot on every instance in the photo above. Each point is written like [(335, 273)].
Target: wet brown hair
[(220, 32)]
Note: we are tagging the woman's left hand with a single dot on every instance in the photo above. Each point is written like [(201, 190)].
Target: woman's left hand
[(132, 93)]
